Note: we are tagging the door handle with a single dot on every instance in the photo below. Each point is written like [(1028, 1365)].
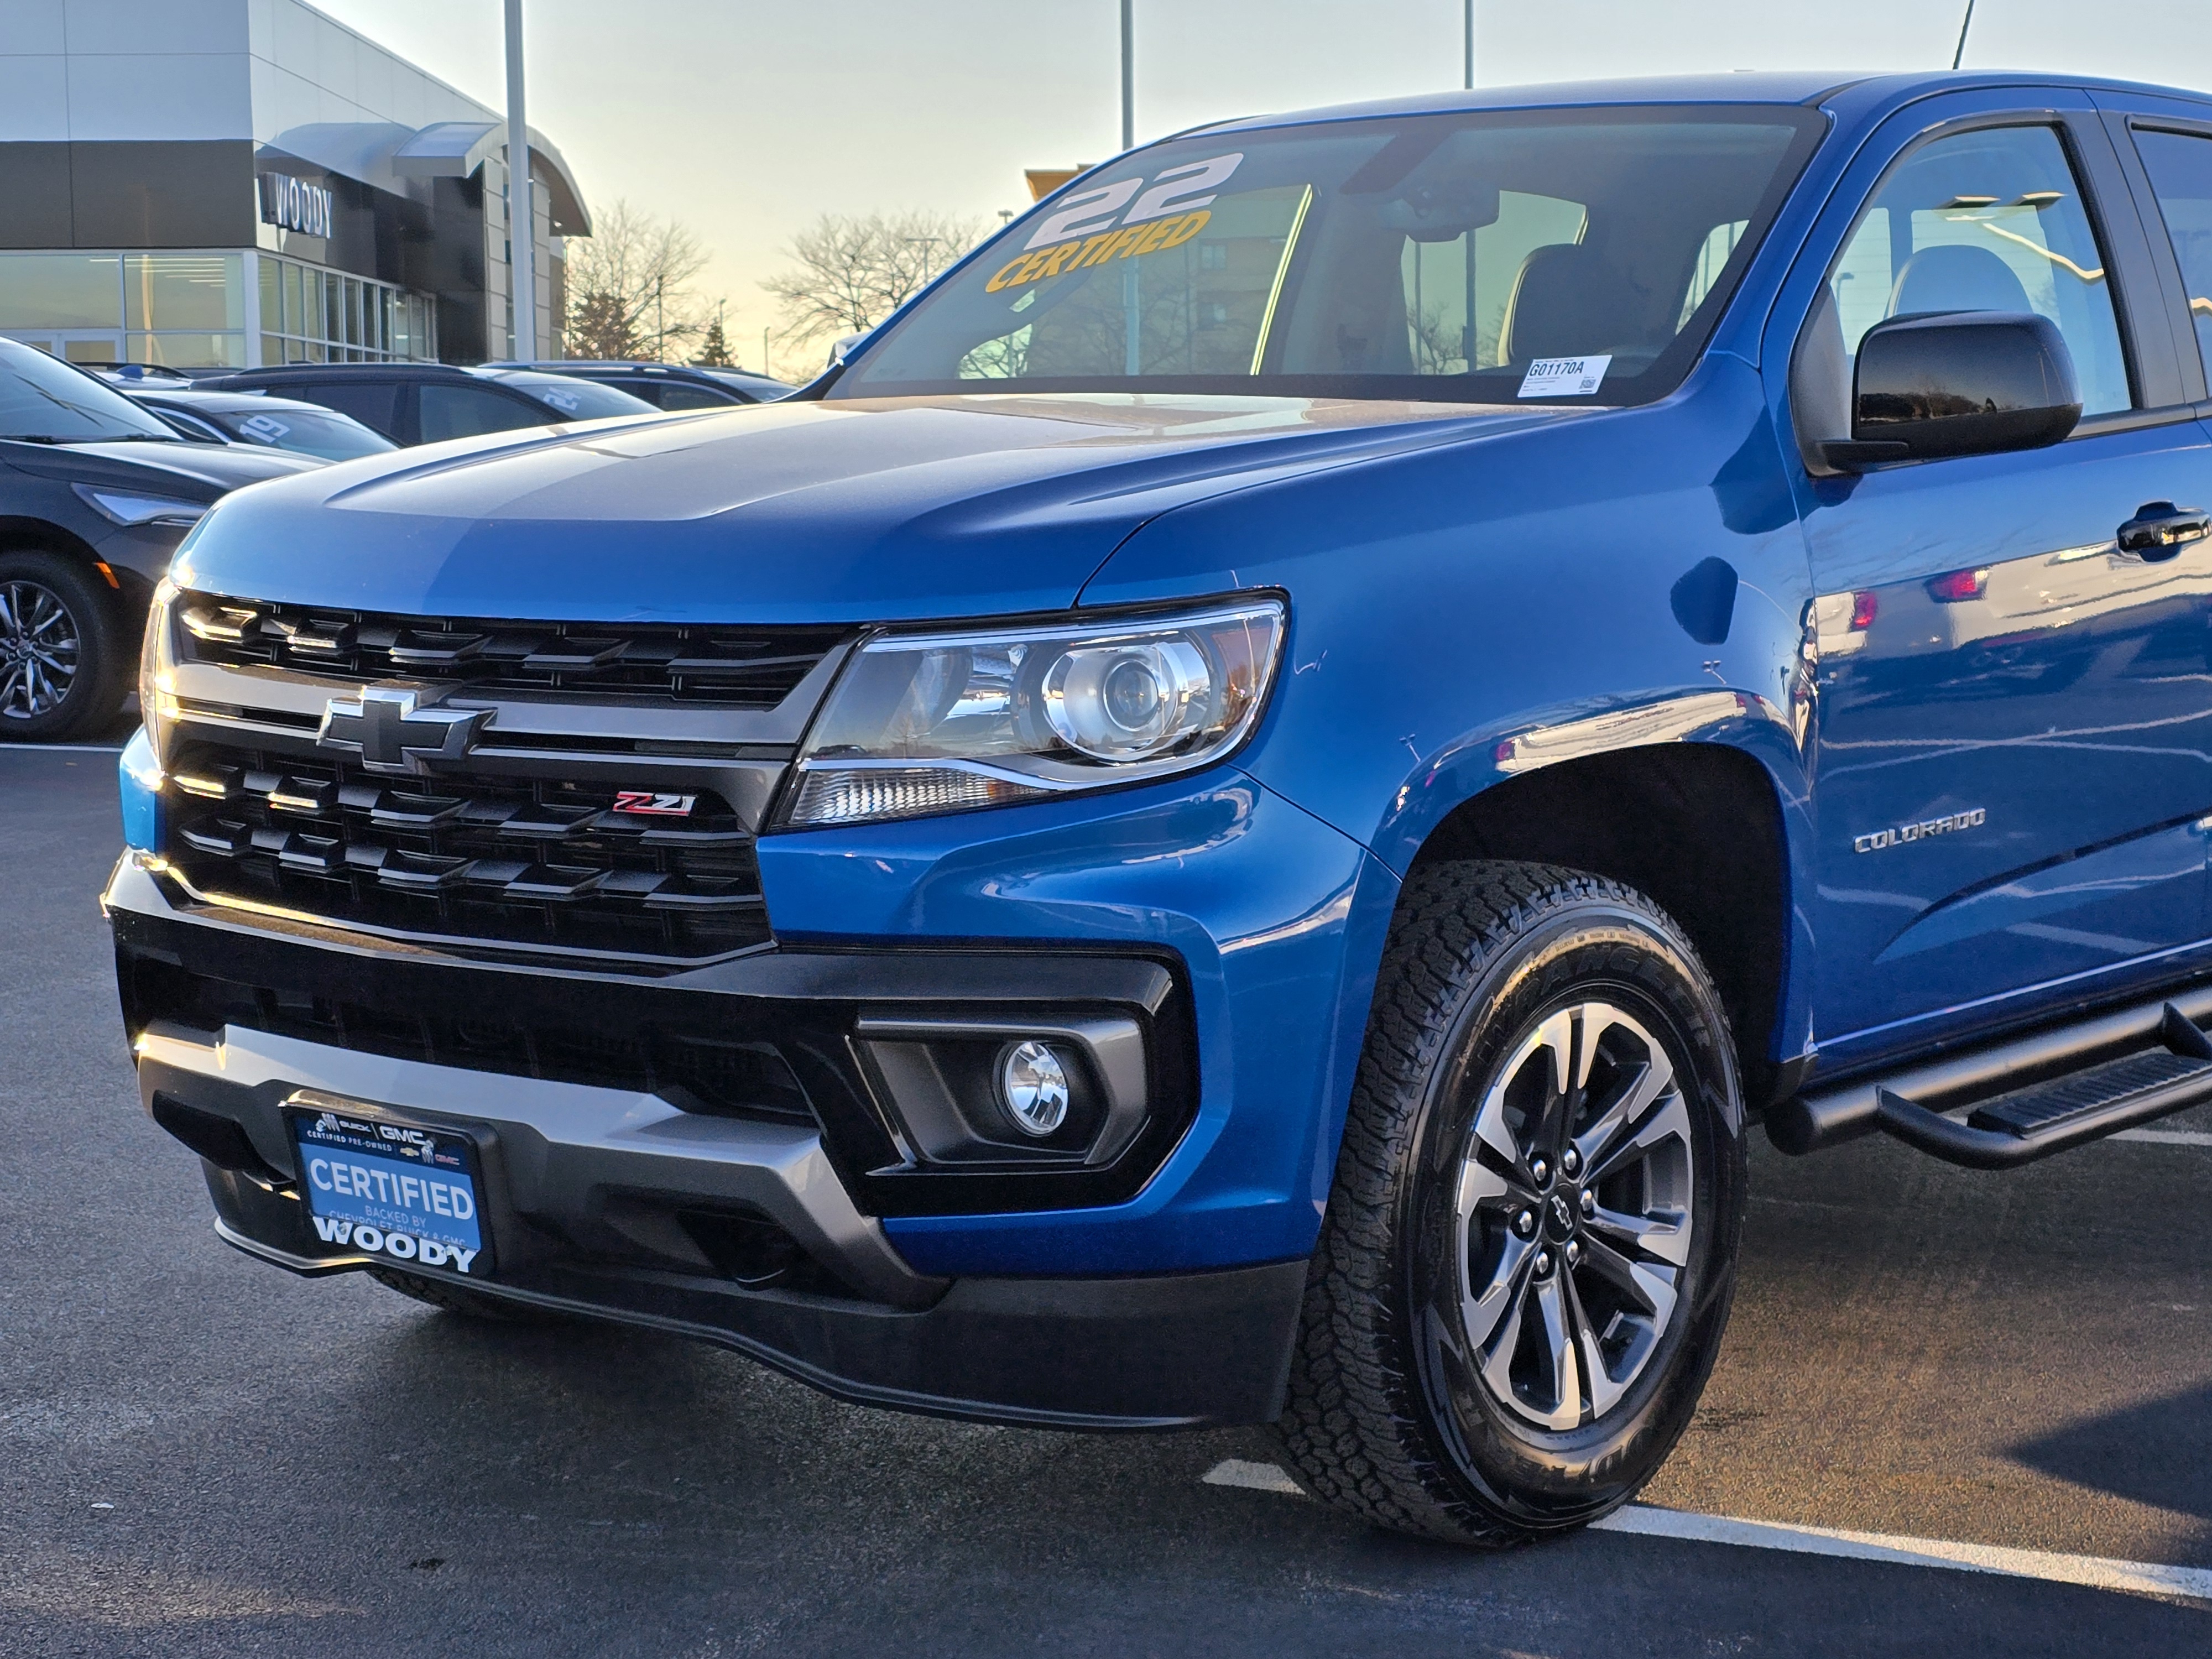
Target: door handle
[(2159, 530)]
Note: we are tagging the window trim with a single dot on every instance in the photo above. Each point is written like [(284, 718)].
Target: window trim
[(2196, 376)]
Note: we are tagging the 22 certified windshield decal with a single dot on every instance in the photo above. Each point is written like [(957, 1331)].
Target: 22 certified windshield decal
[(1090, 227)]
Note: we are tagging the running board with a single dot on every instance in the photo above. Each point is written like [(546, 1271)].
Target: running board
[(2072, 1085)]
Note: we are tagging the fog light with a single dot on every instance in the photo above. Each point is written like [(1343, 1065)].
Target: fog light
[(1033, 1085)]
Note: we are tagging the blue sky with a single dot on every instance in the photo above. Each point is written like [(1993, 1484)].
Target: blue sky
[(747, 118)]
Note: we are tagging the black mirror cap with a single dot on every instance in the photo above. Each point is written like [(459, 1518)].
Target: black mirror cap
[(1959, 383)]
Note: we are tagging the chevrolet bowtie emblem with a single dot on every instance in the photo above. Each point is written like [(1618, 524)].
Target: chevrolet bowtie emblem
[(392, 732)]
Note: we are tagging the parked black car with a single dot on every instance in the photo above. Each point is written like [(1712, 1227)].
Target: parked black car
[(426, 403), (96, 493), (262, 421), (669, 385)]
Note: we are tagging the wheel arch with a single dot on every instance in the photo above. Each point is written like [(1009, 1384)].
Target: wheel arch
[(1700, 828)]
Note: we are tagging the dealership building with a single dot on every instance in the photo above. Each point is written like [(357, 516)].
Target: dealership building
[(241, 182)]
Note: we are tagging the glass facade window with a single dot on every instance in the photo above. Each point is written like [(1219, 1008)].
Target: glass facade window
[(312, 316), (60, 290), (188, 310)]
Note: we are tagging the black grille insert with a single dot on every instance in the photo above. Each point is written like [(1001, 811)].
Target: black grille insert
[(698, 1070), (516, 861), (727, 666)]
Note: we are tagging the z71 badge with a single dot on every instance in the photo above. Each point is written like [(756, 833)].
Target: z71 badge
[(651, 804), (1881, 840)]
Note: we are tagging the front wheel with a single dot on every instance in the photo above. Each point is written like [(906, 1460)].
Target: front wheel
[(1529, 1251), (63, 657)]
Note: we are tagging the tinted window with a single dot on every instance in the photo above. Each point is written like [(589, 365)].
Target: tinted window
[(2181, 176), (464, 411), (333, 437), (682, 394), (1416, 257), (41, 398), (1988, 221), (568, 399), (369, 401)]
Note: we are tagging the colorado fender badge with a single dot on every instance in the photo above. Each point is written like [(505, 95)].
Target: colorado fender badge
[(1881, 840), (650, 803)]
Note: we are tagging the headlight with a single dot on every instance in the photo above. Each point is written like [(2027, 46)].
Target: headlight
[(157, 666), (939, 723), (127, 506)]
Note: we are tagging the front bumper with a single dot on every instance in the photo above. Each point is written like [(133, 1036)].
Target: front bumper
[(1235, 929)]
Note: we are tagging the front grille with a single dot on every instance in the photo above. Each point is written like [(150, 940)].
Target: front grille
[(720, 665), (519, 861), (698, 1070)]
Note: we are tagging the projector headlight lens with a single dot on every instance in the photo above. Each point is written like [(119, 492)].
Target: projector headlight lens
[(924, 724)]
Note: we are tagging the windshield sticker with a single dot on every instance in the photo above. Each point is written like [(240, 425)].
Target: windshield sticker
[(567, 402), (1175, 191), (1565, 377), (1181, 195), (265, 427), (1097, 206), (1131, 241)]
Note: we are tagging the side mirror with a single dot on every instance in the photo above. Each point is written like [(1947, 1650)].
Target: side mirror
[(1958, 383)]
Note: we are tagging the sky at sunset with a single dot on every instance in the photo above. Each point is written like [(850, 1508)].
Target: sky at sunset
[(747, 118)]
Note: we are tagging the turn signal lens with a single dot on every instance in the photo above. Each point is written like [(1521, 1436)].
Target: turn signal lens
[(1957, 586), (157, 694)]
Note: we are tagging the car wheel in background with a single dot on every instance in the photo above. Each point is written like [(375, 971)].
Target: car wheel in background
[(1528, 1254), (63, 658)]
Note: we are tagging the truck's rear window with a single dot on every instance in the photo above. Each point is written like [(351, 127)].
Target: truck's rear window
[(1542, 255)]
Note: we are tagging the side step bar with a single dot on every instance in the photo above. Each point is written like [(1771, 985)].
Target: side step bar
[(2031, 1096)]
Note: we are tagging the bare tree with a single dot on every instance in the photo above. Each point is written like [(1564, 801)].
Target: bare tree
[(848, 274), (630, 287)]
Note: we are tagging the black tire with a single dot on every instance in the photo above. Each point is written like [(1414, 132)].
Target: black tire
[(444, 1293), (1397, 1411), (46, 599)]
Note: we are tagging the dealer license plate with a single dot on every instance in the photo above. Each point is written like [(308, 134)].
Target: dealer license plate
[(394, 1190)]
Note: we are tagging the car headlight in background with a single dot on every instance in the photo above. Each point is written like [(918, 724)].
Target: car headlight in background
[(127, 506), (919, 724), (157, 662)]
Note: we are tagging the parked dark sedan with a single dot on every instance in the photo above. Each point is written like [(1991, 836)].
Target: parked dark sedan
[(669, 385), (262, 420), (427, 402), (96, 493)]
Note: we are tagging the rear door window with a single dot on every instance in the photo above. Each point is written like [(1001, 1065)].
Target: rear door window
[(678, 394), (468, 411), (370, 402), (2180, 168)]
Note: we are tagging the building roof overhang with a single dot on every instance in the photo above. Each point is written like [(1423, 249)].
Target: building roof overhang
[(455, 150)]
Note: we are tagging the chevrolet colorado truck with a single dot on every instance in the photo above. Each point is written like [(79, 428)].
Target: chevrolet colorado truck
[(1230, 819)]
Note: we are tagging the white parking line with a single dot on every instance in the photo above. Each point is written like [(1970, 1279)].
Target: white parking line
[(2166, 1136), (67, 748), (2095, 1572)]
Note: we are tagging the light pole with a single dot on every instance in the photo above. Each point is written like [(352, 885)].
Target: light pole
[(1470, 45), (1128, 72), (521, 221)]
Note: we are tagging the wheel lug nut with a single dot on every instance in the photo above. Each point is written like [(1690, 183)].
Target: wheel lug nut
[(1543, 1262), (1589, 1202), (1541, 1170), (1525, 1223), (1572, 1161), (1574, 1251)]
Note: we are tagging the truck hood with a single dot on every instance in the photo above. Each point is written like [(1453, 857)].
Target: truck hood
[(887, 510)]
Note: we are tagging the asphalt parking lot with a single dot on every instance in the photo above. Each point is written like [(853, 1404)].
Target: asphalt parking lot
[(200, 1455)]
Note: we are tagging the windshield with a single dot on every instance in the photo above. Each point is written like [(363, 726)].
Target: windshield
[(577, 399), (43, 399), (1579, 255), (302, 430)]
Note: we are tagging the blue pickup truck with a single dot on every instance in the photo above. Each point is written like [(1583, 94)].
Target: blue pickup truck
[(1230, 820)]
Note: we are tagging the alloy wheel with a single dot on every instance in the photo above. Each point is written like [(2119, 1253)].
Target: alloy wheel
[(1573, 1216), (41, 649)]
